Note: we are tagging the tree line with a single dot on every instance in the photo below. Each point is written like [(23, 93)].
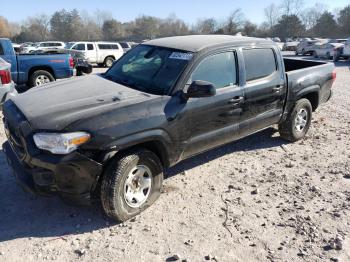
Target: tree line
[(290, 18)]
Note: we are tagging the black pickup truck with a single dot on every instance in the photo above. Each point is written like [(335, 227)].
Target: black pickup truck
[(112, 135)]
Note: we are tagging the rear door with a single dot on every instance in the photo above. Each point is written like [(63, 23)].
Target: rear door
[(213, 121), (264, 89)]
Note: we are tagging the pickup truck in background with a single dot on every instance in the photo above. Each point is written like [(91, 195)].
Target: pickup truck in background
[(7, 87), (112, 135), (101, 53), (34, 70)]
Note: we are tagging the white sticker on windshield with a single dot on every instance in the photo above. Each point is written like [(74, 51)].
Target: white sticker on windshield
[(181, 56)]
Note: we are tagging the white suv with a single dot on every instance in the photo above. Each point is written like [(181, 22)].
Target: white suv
[(43, 46), (101, 53)]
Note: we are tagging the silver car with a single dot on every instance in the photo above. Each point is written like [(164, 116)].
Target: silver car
[(7, 86)]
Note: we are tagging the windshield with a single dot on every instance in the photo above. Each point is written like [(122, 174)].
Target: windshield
[(69, 45), (149, 69)]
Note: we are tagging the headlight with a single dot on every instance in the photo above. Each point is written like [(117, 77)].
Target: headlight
[(60, 143)]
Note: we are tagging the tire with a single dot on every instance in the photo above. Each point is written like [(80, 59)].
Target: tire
[(117, 198), (45, 77), (289, 128), (314, 54), (108, 61)]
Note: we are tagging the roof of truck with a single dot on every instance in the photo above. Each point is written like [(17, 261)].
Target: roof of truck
[(195, 43)]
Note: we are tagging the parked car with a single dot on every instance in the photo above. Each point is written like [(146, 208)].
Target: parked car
[(7, 86), (126, 46), (16, 47), (279, 43), (81, 64), (164, 101), (345, 53), (290, 46), (44, 45), (327, 50), (306, 47), (101, 53), (35, 70)]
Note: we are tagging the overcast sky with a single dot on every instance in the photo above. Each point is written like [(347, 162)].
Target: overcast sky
[(126, 10)]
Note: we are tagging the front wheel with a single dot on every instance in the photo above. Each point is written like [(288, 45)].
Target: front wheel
[(298, 121), (40, 77), (131, 183)]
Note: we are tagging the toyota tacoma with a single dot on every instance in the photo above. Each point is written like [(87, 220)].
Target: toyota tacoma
[(110, 136)]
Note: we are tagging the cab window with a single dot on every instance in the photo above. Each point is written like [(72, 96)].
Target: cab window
[(80, 47), (218, 69), (259, 63)]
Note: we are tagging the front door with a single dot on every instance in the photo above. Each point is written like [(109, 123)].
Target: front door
[(213, 121), (91, 53)]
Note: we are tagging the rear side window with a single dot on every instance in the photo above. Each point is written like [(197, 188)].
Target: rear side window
[(219, 69), (108, 46), (259, 63), (114, 47), (90, 46)]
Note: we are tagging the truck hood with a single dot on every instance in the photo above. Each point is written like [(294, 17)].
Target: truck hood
[(57, 105)]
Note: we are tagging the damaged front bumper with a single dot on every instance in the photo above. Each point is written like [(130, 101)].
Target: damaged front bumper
[(73, 176)]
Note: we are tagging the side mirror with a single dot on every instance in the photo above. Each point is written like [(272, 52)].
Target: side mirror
[(200, 88)]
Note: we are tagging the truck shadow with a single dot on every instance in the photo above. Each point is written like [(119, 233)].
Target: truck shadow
[(23, 215), (260, 140)]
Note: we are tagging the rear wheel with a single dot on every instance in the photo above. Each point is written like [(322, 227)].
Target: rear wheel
[(109, 61), (298, 121), (40, 77), (131, 183)]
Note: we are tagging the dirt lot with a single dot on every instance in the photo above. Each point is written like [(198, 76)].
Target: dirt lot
[(258, 199)]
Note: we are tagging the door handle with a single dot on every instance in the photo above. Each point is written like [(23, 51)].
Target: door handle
[(277, 89), (236, 100)]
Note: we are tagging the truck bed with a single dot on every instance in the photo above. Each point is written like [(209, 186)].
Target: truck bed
[(306, 75), (291, 64)]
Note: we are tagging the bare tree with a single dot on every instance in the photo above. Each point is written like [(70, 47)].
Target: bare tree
[(344, 20), (146, 27), (205, 26), (272, 14), (291, 7), (101, 16), (112, 30), (4, 27), (234, 21), (172, 26), (311, 15), (91, 30)]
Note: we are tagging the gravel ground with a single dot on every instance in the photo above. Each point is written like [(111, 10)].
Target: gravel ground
[(258, 199)]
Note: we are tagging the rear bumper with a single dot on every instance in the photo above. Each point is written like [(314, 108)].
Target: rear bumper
[(64, 73), (72, 177), (6, 92)]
